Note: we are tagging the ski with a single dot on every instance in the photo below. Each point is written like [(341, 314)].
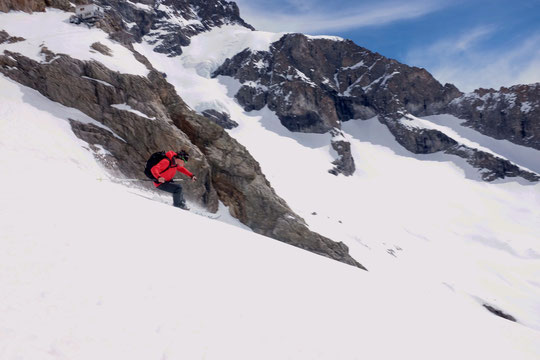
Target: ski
[(191, 210)]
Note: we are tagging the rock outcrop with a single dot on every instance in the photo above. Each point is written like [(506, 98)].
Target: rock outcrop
[(344, 164), (103, 49), (429, 141), (222, 119), (314, 84), (508, 113), (6, 38), (167, 24), (36, 5)]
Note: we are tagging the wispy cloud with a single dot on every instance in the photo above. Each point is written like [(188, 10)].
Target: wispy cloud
[(312, 16), (474, 36), (467, 63)]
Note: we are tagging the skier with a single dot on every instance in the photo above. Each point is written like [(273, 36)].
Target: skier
[(164, 172)]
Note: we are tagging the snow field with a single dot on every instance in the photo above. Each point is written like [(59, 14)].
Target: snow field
[(428, 216), (53, 30), (89, 270)]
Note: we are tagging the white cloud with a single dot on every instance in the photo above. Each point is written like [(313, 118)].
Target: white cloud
[(310, 16), (463, 62), (468, 40)]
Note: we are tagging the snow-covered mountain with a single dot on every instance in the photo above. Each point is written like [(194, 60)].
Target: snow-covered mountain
[(94, 269), (377, 171)]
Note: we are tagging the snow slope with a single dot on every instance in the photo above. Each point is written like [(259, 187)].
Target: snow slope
[(453, 132), (52, 29), (85, 275), (427, 216), (524, 156)]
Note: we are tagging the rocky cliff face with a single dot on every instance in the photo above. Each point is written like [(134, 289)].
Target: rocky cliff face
[(509, 113), (35, 5), (428, 141), (225, 169), (314, 84), (168, 24)]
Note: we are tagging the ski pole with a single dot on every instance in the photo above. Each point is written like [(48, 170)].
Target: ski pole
[(117, 179)]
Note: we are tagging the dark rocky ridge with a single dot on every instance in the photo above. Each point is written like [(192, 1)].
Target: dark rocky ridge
[(344, 164), (99, 47), (168, 24), (35, 5), (315, 84), (428, 141), (222, 119), (508, 113), (225, 169), (5, 38)]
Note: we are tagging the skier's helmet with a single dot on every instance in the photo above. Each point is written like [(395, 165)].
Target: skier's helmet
[(182, 155)]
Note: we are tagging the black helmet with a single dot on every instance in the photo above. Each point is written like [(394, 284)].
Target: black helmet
[(182, 155)]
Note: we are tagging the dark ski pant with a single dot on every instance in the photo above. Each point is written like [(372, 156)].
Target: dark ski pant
[(176, 191)]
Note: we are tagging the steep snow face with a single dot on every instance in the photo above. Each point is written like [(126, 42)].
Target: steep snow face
[(52, 30), (225, 42), (427, 216), (85, 275)]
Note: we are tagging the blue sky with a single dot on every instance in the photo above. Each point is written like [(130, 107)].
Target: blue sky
[(472, 44)]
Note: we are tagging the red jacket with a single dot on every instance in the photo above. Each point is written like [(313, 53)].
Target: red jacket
[(160, 169)]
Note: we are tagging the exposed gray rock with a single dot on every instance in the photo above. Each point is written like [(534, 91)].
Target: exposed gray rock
[(418, 141), (428, 141), (315, 84), (493, 167), (344, 164), (49, 55), (220, 118), (35, 5), (6, 38), (103, 49), (508, 113), (168, 24)]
